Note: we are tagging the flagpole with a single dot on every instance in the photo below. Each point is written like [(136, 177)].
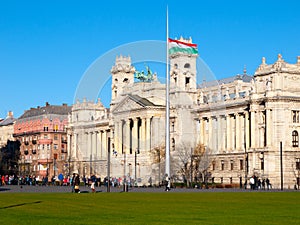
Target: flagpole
[(167, 104)]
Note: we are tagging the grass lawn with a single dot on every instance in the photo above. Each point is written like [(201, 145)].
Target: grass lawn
[(150, 208)]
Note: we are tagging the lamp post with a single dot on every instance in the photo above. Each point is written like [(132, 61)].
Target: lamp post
[(298, 168)]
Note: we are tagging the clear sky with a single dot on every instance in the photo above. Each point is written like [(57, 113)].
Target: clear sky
[(46, 46)]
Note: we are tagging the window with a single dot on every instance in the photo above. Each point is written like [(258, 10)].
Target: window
[(231, 164), (295, 138), (56, 137), (187, 65), (222, 165), (297, 164), (55, 146), (55, 128), (45, 136), (213, 165), (187, 81), (45, 127), (295, 116), (241, 164), (173, 144)]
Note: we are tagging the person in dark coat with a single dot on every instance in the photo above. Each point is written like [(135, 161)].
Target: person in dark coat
[(77, 183)]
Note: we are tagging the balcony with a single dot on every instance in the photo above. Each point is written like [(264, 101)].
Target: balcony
[(45, 141), (45, 161)]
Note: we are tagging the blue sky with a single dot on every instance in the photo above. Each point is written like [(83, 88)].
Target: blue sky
[(46, 46)]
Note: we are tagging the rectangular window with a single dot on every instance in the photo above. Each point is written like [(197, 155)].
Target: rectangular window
[(55, 146), (55, 128), (222, 165), (55, 137), (231, 164), (241, 164), (214, 165), (295, 116), (297, 164)]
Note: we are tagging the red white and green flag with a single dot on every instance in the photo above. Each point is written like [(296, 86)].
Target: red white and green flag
[(176, 46)]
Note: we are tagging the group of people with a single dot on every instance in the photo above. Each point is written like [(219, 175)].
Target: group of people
[(257, 184)]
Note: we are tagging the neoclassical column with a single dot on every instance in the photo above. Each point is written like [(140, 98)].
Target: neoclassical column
[(101, 144), (268, 125), (143, 134), (229, 133), (253, 128), (148, 134), (104, 141), (97, 145), (237, 132), (88, 140), (210, 139), (219, 134), (247, 130), (116, 136), (135, 134), (121, 137), (128, 136)]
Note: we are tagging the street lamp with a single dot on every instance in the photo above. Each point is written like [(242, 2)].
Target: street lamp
[(298, 168)]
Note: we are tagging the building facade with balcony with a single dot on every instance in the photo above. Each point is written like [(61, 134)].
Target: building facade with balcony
[(42, 134)]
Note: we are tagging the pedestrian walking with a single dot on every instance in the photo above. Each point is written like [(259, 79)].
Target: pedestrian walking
[(93, 181), (77, 183)]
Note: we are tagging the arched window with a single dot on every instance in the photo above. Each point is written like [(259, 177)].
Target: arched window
[(187, 65), (295, 138)]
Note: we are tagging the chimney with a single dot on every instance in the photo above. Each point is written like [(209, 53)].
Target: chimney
[(10, 114)]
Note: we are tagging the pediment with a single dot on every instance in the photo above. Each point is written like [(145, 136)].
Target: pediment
[(128, 104)]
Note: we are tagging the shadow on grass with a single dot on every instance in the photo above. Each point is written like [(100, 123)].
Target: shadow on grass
[(21, 204), (4, 189)]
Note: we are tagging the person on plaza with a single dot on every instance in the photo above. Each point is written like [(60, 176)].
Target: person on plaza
[(268, 183), (72, 182), (167, 183), (77, 183), (3, 180), (252, 183), (259, 184), (93, 181), (263, 184)]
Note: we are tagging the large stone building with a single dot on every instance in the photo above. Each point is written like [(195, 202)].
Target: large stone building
[(42, 134), (238, 123)]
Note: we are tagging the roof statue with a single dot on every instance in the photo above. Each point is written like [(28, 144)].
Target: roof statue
[(144, 77)]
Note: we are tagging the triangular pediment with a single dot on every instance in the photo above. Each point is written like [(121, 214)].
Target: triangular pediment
[(130, 103)]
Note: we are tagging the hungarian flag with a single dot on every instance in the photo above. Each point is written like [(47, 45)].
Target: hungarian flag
[(179, 46)]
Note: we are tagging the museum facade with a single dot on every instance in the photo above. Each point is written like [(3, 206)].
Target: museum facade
[(228, 130)]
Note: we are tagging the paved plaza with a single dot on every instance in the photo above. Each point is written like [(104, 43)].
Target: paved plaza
[(103, 189)]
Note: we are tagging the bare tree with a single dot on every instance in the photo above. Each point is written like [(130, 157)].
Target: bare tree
[(158, 157)]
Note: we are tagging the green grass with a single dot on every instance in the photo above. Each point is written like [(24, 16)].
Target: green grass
[(150, 208)]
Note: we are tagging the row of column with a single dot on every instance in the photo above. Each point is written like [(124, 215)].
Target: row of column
[(225, 133), (93, 145), (236, 132), (132, 134)]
